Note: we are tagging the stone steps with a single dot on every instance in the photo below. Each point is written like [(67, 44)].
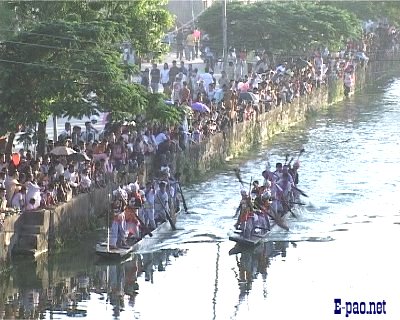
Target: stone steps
[(32, 238), (32, 229)]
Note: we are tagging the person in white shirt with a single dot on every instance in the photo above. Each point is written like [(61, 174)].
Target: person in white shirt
[(164, 77), (148, 206), (72, 177), (207, 78), (33, 192), (59, 168), (10, 183), (85, 181), (66, 133), (18, 199), (281, 68), (90, 133), (161, 203)]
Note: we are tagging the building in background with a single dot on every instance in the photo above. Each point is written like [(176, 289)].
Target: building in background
[(186, 11)]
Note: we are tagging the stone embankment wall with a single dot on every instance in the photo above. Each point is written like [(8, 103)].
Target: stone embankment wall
[(48, 227), (246, 135)]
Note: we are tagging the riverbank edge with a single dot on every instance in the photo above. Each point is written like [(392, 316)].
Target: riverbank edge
[(58, 226)]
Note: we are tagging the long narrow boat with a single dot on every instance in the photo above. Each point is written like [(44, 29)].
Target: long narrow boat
[(259, 235), (103, 250)]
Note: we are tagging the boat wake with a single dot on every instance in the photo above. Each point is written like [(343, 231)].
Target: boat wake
[(293, 237)]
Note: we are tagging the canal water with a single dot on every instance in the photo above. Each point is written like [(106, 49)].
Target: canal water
[(343, 245)]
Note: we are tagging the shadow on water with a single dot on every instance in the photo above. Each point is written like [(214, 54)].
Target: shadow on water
[(60, 286)]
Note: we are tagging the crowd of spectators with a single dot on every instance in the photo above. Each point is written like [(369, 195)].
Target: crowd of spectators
[(252, 83), (255, 81)]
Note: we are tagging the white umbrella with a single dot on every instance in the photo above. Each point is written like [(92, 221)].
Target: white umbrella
[(62, 151)]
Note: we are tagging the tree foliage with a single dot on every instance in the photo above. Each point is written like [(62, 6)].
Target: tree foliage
[(370, 10), (144, 22), (50, 72), (281, 26), (66, 60), (159, 112)]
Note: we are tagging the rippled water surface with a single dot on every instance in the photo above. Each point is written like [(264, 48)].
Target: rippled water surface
[(343, 244)]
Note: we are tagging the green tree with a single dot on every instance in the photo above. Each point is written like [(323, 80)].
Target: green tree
[(159, 112), (65, 60), (374, 10), (281, 26), (145, 21), (57, 74)]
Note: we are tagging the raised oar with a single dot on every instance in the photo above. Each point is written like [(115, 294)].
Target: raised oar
[(286, 158), (237, 174), (300, 153)]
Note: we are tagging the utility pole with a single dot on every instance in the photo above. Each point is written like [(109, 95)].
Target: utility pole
[(55, 132), (224, 35)]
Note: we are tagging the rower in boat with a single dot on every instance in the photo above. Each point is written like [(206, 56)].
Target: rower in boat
[(148, 206), (132, 223), (262, 209), (246, 214), (161, 203), (295, 175), (117, 233), (278, 170), (294, 172), (256, 190), (268, 175)]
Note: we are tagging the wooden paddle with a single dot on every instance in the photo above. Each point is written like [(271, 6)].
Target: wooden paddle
[(278, 220), (183, 198), (300, 153), (237, 174), (178, 185), (286, 158), (300, 191), (146, 230), (283, 200), (288, 207), (299, 203)]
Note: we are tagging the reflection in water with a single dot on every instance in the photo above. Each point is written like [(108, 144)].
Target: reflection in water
[(41, 293), (252, 263)]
